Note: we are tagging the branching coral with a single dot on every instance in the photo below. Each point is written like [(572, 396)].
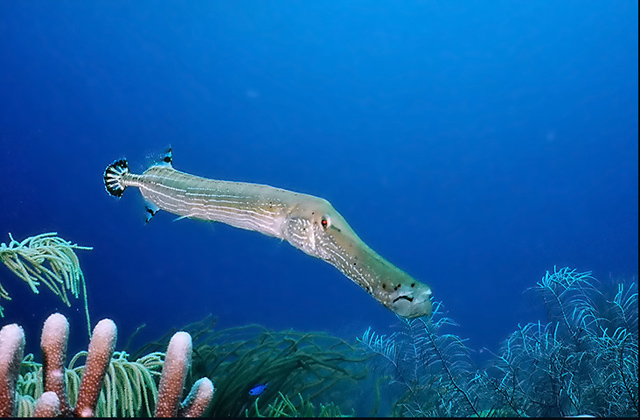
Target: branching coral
[(584, 360), (46, 259), (122, 380), (433, 369)]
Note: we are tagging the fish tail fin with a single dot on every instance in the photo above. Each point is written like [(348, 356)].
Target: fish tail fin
[(113, 177)]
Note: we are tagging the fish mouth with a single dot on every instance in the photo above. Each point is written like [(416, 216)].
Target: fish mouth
[(409, 298), (412, 305)]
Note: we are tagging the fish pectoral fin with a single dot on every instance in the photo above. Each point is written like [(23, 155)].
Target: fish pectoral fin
[(151, 210), (177, 219)]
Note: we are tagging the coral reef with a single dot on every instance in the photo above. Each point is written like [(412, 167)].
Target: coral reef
[(119, 375), (47, 259), (582, 361), (129, 388)]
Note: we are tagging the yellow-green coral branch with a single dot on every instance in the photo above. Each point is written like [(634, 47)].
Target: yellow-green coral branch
[(62, 271)]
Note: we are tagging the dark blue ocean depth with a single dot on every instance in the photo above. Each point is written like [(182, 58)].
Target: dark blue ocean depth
[(474, 144)]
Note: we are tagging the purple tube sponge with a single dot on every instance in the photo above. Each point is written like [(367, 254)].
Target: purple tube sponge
[(198, 399), (48, 405), (101, 347), (54, 402), (174, 373), (53, 343), (11, 352)]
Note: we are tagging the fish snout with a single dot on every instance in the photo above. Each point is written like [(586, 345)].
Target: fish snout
[(414, 303)]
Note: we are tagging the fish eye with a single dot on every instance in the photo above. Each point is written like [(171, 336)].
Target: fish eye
[(325, 222)]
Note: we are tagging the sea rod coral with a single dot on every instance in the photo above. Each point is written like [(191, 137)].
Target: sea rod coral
[(54, 401)]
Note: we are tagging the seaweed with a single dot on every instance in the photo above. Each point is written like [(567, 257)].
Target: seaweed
[(313, 364), (282, 406)]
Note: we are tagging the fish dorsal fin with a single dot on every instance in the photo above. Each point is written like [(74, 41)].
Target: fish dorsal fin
[(166, 159)]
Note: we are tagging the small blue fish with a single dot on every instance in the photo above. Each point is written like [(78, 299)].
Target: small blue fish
[(258, 389)]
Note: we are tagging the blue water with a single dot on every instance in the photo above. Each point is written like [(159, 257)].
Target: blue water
[(473, 144)]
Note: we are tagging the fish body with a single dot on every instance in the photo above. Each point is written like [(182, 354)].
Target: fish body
[(258, 389), (309, 223)]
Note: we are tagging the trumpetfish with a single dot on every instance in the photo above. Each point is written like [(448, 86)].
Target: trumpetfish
[(309, 223)]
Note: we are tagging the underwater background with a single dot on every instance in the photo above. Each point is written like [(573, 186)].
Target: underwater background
[(473, 144)]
